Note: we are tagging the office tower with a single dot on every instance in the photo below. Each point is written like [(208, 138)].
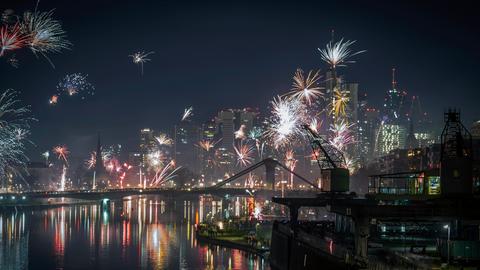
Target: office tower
[(187, 134), (226, 127)]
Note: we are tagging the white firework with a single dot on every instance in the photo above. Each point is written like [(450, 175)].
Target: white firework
[(140, 58), (46, 34), (286, 120), (14, 128), (187, 113), (163, 139), (338, 54)]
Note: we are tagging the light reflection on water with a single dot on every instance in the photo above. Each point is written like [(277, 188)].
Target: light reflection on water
[(146, 233)]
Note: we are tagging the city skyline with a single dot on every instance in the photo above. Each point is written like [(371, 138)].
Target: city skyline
[(214, 74), (239, 135)]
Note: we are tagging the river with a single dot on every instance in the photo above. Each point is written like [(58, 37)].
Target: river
[(137, 233)]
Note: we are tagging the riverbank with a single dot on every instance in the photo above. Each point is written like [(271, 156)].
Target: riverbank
[(235, 242), (250, 237)]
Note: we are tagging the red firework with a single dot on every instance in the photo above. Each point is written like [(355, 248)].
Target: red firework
[(11, 38)]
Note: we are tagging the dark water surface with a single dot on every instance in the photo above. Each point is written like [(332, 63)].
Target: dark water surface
[(138, 233)]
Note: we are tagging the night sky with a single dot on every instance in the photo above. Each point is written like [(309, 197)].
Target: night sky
[(218, 55)]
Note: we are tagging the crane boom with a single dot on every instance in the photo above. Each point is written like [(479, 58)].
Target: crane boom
[(332, 158)]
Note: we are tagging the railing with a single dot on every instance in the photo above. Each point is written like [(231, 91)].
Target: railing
[(411, 183)]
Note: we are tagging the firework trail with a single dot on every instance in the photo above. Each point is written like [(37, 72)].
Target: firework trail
[(306, 89), (251, 180), (165, 174), (11, 38), (139, 58), (256, 135), (338, 54), (14, 127), (63, 178), (62, 152), (163, 139), (291, 163), (71, 85), (284, 125), (187, 113), (244, 153)]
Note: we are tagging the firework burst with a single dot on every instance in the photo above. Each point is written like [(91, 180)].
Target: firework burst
[(53, 100), (244, 153), (338, 54), (163, 139), (14, 128), (187, 113), (46, 34), (290, 160), (351, 164), (241, 132), (155, 160), (255, 133), (140, 58), (341, 135), (207, 145), (306, 88), (62, 152), (90, 162), (11, 38), (284, 125), (315, 125), (339, 103), (73, 84)]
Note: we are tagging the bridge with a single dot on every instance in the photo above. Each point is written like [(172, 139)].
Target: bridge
[(219, 189)]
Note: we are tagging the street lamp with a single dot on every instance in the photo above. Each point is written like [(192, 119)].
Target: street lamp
[(447, 227)]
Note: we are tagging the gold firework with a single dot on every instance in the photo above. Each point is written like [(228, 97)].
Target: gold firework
[(306, 88)]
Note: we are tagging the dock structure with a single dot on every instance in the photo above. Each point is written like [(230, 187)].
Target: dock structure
[(438, 207)]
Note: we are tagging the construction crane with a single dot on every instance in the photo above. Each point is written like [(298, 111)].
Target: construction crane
[(335, 176)]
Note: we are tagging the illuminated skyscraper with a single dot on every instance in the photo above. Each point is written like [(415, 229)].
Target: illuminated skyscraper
[(392, 131), (226, 126), (393, 103), (367, 126), (390, 137)]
